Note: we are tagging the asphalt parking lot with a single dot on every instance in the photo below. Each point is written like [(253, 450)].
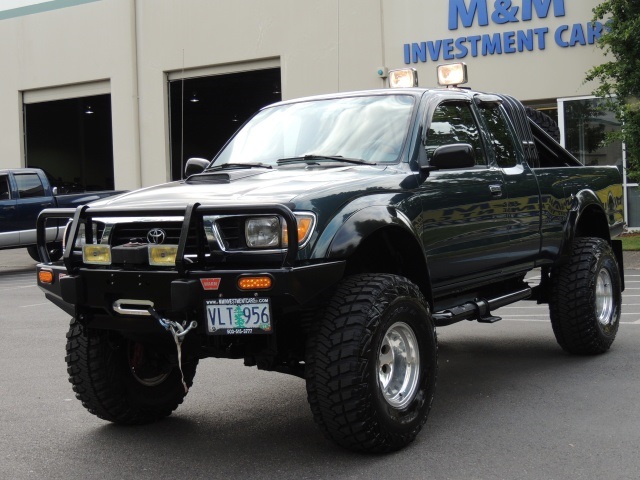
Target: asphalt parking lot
[(509, 405)]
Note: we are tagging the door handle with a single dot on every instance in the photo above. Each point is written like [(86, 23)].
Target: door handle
[(496, 190)]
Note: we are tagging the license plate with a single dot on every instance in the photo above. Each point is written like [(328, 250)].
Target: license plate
[(238, 316)]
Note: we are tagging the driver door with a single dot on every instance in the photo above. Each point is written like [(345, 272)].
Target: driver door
[(464, 224)]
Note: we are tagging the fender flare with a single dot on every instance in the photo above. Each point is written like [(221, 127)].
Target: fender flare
[(362, 224), (581, 202), (355, 227)]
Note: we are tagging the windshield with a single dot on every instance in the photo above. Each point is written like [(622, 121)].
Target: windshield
[(372, 129)]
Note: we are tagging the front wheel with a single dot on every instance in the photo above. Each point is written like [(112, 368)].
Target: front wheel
[(586, 298), (371, 364), (121, 380)]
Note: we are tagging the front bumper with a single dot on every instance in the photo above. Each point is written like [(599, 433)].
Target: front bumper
[(97, 290), (92, 292)]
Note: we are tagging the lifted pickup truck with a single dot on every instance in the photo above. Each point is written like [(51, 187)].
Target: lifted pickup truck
[(24, 193), (328, 239)]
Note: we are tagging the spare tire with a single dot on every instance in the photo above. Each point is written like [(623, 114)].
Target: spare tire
[(545, 122)]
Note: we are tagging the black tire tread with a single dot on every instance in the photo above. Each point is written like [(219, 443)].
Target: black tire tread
[(99, 386), (571, 302), (337, 390), (545, 122)]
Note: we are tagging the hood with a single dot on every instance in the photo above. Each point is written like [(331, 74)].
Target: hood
[(282, 185)]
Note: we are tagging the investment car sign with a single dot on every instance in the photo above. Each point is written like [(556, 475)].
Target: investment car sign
[(503, 14)]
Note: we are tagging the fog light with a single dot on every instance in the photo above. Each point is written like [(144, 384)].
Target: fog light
[(262, 282), (163, 255), (45, 276), (96, 254)]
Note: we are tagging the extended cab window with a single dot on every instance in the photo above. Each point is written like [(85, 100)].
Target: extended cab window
[(29, 185), (5, 194), (502, 139), (453, 122)]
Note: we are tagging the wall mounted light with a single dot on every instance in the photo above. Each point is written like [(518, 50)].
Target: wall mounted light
[(88, 110)]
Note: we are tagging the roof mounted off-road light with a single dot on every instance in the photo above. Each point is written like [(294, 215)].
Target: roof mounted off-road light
[(452, 75), (403, 78)]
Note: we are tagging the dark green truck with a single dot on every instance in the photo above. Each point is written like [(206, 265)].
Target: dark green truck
[(328, 239)]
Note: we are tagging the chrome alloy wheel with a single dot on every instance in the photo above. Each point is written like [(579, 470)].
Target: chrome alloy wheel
[(605, 304), (399, 365)]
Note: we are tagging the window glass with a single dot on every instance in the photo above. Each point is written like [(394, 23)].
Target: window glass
[(4, 188), (370, 128), (501, 135), (586, 124), (451, 123), (29, 185)]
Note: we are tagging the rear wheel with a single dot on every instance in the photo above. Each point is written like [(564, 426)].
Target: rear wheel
[(123, 381), (586, 298), (371, 364)]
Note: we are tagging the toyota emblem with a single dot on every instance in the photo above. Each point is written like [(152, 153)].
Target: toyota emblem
[(156, 235)]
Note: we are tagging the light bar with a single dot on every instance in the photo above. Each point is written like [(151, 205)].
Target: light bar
[(452, 75), (403, 78)]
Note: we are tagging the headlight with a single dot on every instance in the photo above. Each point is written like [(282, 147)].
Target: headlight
[(272, 232), (262, 232)]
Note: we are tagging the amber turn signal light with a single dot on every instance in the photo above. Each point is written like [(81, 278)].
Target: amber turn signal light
[(262, 282), (45, 276)]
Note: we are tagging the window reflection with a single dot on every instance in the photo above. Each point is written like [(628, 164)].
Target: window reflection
[(502, 139), (368, 128), (451, 123), (586, 124)]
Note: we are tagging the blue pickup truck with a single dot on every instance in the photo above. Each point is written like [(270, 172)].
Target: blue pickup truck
[(24, 193)]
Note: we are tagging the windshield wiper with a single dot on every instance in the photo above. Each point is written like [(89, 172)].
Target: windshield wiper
[(328, 158), (224, 166)]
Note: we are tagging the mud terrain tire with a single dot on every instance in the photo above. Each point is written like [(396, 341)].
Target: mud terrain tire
[(100, 364), (372, 363), (586, 298)]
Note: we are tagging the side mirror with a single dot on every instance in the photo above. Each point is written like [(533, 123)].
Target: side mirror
[(457, 155), (195, 165), (54, 191)]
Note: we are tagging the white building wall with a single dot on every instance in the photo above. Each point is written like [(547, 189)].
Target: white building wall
[(550, 73), (321, 46), (84, 43)]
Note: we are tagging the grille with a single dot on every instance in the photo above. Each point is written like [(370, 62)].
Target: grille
[(230, 229), (137, 232)]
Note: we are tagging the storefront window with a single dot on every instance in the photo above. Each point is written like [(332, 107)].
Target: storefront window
[(584, 123)]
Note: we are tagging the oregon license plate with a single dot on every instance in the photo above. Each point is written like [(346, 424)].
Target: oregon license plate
[(238, 316)]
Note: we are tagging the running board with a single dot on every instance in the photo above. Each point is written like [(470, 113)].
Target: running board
[(479, 309)]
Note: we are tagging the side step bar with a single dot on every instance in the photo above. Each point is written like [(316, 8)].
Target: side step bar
[(479, 309)]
